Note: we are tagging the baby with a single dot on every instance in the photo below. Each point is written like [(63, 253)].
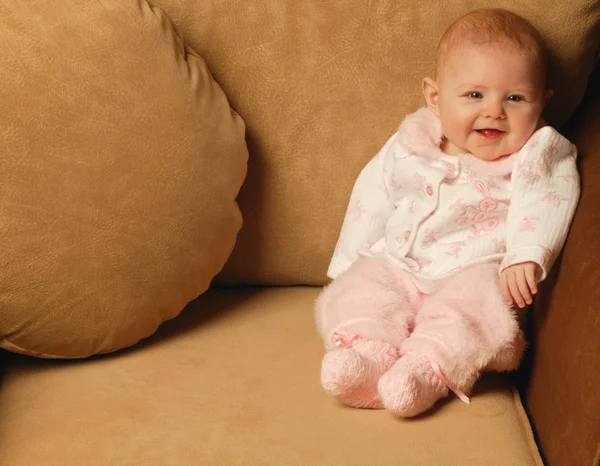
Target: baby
[(455, 220)]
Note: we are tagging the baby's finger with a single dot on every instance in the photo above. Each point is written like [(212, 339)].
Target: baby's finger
[(504, 289), (514, 290), (530, 275), (522, 285)]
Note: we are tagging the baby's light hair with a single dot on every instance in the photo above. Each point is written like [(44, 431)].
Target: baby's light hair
[(494, 27)]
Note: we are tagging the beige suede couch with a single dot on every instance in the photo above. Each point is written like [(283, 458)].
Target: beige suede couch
[(200, 151)]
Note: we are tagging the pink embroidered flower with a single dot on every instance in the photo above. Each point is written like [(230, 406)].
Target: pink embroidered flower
[(507, 177), (500, 245), (419, 182), (403, 238), (549, 151), (554, 198), (456, 249), (529, 171), (429, 237), (357, 210), (491, 182), (394, 184), (529, 175), (468, 173), (449, 167), (528, 224), (411, 208), (569, 178)]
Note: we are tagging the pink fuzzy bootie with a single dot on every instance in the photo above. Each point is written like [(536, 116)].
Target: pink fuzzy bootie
[(351, 374), (411, 386)]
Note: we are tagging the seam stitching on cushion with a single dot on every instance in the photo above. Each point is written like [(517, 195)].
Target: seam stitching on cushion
[(526, 423)]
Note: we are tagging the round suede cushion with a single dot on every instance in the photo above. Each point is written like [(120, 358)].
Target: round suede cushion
[(120, 163)]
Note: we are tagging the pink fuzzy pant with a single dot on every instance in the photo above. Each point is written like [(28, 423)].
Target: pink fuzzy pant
[(465, 326)]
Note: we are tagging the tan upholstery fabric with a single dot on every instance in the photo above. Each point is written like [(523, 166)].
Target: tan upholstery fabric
[(322, 85), (235, 381), (563, 395), (121, 160)]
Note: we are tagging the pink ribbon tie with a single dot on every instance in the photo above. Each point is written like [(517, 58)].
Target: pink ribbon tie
[(342, 341), (459, 393)]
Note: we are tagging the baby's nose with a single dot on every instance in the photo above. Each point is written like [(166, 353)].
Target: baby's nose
[(494, 110)]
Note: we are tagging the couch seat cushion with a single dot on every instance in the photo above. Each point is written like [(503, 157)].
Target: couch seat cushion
[(235, 381)]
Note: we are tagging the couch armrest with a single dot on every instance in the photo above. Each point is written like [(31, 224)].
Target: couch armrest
[(562, 392)]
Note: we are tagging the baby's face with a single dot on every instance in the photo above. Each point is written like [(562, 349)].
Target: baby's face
[(489, 100)]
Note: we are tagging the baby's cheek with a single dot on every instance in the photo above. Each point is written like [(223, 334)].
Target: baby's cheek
[(529, 122), (457, 129)]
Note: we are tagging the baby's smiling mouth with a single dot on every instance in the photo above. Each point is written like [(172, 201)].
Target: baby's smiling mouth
[(490, 133)]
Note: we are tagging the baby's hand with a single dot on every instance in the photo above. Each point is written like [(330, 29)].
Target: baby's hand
[(517, 283)]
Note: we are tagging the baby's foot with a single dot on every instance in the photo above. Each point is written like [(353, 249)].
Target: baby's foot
[(411, 386), (351, 374)]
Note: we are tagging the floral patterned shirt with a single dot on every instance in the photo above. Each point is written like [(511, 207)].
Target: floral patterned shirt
[(434, 213)]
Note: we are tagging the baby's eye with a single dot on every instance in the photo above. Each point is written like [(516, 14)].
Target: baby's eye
[(515, 98), (475, 95)]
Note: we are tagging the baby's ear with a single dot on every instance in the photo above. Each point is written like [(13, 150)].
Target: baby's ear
[(430, 90), (547, 96)]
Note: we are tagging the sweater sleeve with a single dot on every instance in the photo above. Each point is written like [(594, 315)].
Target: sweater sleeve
[(369, 209), (545, 195)]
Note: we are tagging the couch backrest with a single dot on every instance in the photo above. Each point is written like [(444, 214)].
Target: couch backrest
[(562, 382), (321, 86)]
